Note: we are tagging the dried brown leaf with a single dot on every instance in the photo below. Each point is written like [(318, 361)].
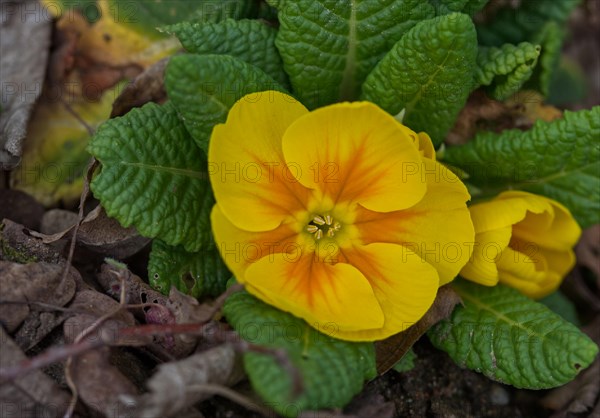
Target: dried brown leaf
[(100, 385), (391, 350), (176, 309), (33, 282), (97, 232), (92, 305), (146, 87), (21, 208), (174, 387), (34, 394), (17, 244), (24, 43)]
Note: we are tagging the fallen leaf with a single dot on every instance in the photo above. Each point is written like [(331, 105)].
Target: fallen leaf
[(177, 385), (24, 44), (89, 65), (34, 394), (56, 221), (389, 351), (33, 282), (21, 208), (92, 305), (176, 309), (146, 87), (97, 232), (16, 244), (54, 157), (91, 370)]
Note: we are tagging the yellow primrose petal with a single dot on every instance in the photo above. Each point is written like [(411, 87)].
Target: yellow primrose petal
[(527, 272), (539, 252), (560, 262), (438, 228), (554, 228), (404, 284), (319, 292), (251, 181), (240, 248), (487, 249), (356, 152), (426, 146)]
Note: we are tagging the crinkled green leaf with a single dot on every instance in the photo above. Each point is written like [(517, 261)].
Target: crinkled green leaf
[(251, 41), (558, 159), (153, 176), (204, 87), (201, 273), (429, 73), (329, 47), (146, 16), (561, 305), (511, 25), (443, 7), (512, 339), (332, 370), (550, 37), (407, 362), (506, 69)]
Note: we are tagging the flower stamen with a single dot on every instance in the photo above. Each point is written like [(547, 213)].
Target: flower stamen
[(323, 225)]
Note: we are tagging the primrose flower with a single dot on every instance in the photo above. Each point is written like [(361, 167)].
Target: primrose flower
[(522, 240), (340, 216)]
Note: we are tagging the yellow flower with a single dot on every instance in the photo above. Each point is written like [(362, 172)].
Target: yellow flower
[(522, 240), (334, 215)]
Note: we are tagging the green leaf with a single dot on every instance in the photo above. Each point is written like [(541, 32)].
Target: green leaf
[(561, 305), (558, 159), (153, 176), (429, 73), (146, 16), (512, 339), (201, 273), (550, 38), (251, 41), (329, 47), (443, 7), (569, 84), (507, 68), (406, 363), (511, 25), (332, 370), (204, 87)]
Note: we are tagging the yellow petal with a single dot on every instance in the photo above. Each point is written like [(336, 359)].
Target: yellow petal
[(438, 228), (320, 293), (250, 179), (487, 250), (560, 262), (555, 229), (404, 284), (426, 146), (356, 152), (240, 248), (527, 271)]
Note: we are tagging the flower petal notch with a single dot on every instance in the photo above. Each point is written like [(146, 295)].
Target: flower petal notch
[(522, 240), (340, 216)]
